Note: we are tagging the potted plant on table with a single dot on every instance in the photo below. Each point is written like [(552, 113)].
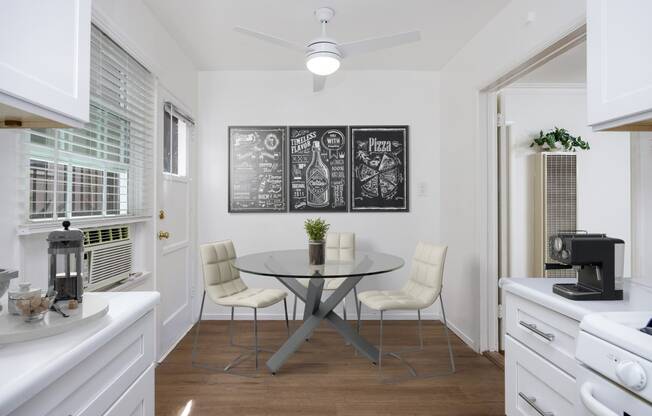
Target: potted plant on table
[(316, 229), (559, 139)]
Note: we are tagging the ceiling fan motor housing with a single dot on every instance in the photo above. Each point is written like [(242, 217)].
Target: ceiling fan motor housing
[(323, 46)]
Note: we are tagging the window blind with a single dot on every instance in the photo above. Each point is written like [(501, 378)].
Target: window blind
[(104, 168)]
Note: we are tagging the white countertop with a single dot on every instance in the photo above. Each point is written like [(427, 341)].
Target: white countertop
[(29, 367), (637, 296)]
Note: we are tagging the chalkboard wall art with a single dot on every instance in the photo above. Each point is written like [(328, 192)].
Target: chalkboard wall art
[(257, 169), (379, 168), (318, 168)]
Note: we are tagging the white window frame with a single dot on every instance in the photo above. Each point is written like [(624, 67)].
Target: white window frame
[(121, 88)]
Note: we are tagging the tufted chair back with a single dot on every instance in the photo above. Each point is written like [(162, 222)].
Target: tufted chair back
[(427, 272), (340, 246), (220, 277)]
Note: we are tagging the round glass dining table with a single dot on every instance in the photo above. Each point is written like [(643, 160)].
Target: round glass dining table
[(289, 265)]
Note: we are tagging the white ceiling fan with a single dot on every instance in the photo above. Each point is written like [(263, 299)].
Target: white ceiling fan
[(323, 54)]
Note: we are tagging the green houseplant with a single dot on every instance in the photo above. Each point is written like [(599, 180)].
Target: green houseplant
[(559, 139), (316, 229)]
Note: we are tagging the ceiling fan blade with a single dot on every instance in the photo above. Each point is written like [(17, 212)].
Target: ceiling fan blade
[(375, 44), (270, 39), (318, 83)]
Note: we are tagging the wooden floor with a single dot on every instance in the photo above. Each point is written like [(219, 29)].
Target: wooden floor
[(325, 377)]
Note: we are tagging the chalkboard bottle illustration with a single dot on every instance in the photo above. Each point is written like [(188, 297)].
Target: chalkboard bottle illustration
[(317, 180)]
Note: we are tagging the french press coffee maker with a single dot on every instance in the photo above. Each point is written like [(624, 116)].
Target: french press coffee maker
[(67, 243)]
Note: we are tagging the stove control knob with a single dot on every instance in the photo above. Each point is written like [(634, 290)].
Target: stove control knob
[(632, 375)]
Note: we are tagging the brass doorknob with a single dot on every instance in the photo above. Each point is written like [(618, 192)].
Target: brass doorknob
[(163, 235)]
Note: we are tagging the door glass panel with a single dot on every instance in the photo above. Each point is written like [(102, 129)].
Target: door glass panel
[(175, 145)]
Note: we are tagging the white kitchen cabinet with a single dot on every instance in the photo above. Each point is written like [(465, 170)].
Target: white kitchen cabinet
[(102, 368), (619, 64), (542, 330), (534, 386), (539, 359), (138, 400), (45, 62)]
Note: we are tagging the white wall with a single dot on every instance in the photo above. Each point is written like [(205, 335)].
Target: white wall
[(506, 42), (603, 172), (135, 28), (131, 24), (286, 98)]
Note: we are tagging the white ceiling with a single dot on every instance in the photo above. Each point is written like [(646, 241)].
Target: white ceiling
[(569, 67), (204, 29)]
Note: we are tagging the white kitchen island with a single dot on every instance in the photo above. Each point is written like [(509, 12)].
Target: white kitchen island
[(541, 339), (104, 367)]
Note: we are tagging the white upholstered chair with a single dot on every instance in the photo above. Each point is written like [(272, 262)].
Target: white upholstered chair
[(422, 289), (224, 287), (339, 247)]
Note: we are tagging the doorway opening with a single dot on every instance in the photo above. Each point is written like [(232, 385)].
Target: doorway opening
[(547, 92)]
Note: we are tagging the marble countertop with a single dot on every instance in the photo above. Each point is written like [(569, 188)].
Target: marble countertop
[(29, 367), (637, 296)]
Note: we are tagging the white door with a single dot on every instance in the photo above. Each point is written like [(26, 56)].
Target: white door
[(175, 251)]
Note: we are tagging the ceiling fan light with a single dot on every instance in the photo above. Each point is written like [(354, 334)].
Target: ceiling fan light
[(323, 64)]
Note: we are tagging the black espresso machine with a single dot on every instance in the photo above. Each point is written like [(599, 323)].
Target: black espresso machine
[(598, 260)]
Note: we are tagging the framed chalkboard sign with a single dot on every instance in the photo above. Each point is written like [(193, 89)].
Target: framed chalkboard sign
[(318, 168), (379, 168), (257, 169)]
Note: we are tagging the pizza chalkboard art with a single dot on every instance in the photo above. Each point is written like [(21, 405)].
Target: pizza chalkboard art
[(257, 169), (318, 168), (379, 168)]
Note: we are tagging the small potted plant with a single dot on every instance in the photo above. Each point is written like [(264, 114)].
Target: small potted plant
[(316, 229), (559, 139)]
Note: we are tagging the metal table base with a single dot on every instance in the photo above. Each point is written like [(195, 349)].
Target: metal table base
[(314, 313)]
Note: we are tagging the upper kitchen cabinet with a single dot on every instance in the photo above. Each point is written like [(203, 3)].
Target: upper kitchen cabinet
[(44, 63), (619, 62)]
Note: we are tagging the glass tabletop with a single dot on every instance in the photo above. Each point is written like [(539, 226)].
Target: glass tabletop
[(294, 263)]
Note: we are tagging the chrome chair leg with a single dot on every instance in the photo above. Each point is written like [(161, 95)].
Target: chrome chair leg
[(397, 355), (448, 339), (287, 322), (419, 330), (193, 355), (294, 311), (380, 347), (256, 335), (231, 327), (344, 307), (355, 296)]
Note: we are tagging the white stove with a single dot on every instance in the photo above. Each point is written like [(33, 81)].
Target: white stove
[(615, 378)]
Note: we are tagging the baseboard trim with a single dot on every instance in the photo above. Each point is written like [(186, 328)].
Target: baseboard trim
[(467, 339), (495, 357), (174, 345)]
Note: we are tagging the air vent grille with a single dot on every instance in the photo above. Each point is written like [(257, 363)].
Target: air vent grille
[(560, 194), (109, 262), (97, 236), (108, 256)]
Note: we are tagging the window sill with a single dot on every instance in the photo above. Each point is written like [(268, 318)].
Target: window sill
[(47, 227)]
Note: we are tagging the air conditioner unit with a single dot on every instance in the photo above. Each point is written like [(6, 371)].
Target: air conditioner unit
[(108, 256), (555, 206)]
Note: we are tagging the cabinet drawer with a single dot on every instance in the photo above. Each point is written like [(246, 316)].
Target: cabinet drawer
[(92, 386), (549, 333), (533, 386), (138, 400)]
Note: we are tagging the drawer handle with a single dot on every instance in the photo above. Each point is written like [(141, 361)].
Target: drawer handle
[(533, 403), (533, 328)]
